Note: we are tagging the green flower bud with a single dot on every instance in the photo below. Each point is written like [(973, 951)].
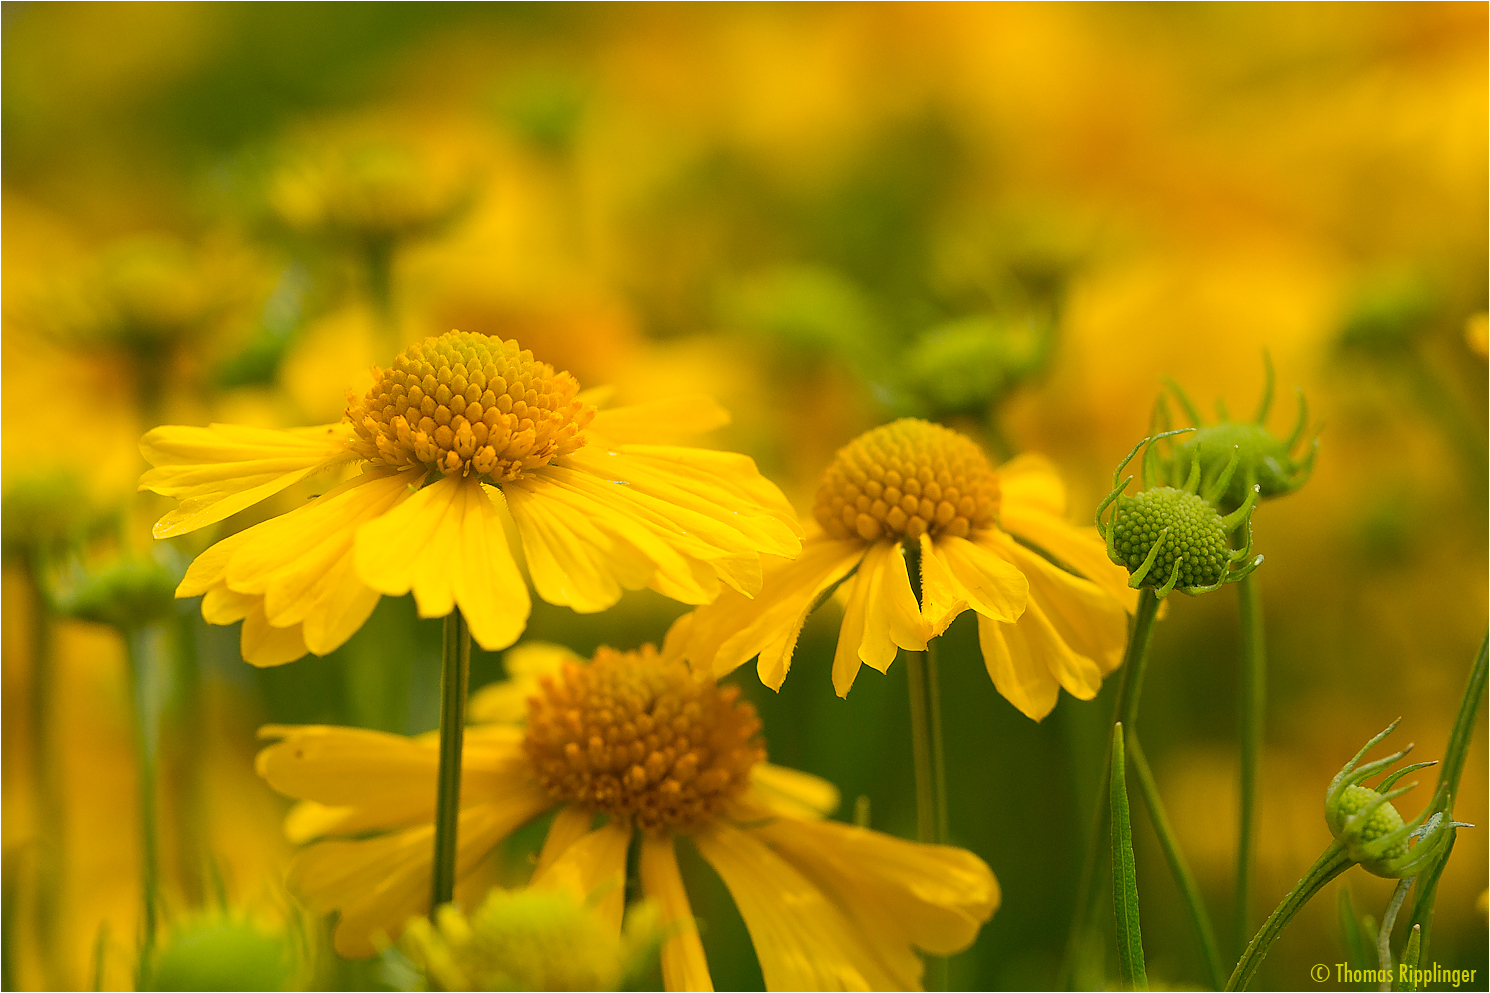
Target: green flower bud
[(1259, 458), (1363, 819), (217, 951), (44, 514), (1171, 537), (967, 365), (529, 939), (126, 593)]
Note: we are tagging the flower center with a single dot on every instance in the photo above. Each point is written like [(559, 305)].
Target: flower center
[(1196, 539), (907, 478), (467, 403), (642, 739)]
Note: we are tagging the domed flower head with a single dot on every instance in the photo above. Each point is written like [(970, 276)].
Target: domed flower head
[(1051, 608), (1173, 537), (654, 756), (460, 434)]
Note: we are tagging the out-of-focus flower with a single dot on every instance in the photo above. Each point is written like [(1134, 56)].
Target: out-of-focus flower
[(662, 755), (461, 428), (1042, 626), (967, 366), (125, 593), (531, 939), (1477, 334), (43, 513)]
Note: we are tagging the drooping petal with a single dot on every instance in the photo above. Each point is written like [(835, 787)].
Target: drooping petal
[(935, 897), (593, 868), (683, 964), (447, 545), (662, 421), (1092, 623), (719, 637), (1030, 514), (679, 520), (219, 470), (1030, 481), (263, 644), (893, 618), (802, 939), (941, 595), (989, 583), (1018, 661), (374, 781), (377, 884)]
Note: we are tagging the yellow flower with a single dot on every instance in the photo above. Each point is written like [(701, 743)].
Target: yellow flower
[(473, 453), (663, 757), (988, 541)]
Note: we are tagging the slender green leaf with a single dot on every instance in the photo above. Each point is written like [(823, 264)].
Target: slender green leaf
[(1410, 956), (1125, 874)]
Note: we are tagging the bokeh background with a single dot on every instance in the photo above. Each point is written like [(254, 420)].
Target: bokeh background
[(1014, 218)]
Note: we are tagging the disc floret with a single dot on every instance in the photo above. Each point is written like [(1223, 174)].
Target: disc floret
[(642, 740), (1262, 460), (905, 479), (1363, 819), (466, 403), (1172, 537)]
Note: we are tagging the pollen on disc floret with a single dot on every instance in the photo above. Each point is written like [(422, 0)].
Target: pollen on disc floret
[(642, 740), (906, 479), (469, 403)]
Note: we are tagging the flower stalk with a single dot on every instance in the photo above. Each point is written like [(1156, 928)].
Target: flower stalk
[(1253, 704), (455, 677), (140, 657), (1330, 864)]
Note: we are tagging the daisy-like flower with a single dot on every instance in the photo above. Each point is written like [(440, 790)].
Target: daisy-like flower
[(656, 758), (1052, 610), (461, 437)]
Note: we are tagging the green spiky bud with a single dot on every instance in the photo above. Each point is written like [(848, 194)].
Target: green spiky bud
[(964, 366), (1194, 538), (1363, 819)]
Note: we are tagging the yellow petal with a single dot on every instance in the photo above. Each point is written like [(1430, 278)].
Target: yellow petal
[(1018, 663), (1080, 548), (446, 543), (301, 564), (206, 570), (263, 644), (363, 781), (683, 964), (856, 592), (935, 897), (892, 615), (1092, 623), (379, 883), (941, 594), (990, 584), (219, 470), (506, 701), (803, 941), (719, 637), (593, 868), (570, 825), (660, 421), (792, 793)]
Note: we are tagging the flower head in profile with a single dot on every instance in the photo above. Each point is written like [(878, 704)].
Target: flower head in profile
[(1052, 611), (629, 750), (470, 451)]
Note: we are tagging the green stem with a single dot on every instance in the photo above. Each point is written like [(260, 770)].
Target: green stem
[(1088, 894), (1384, 933), (1448, 779), (138, 652), (1253, 704), (1329, 865), (48, 785), (1148, 789), (455, 676)]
